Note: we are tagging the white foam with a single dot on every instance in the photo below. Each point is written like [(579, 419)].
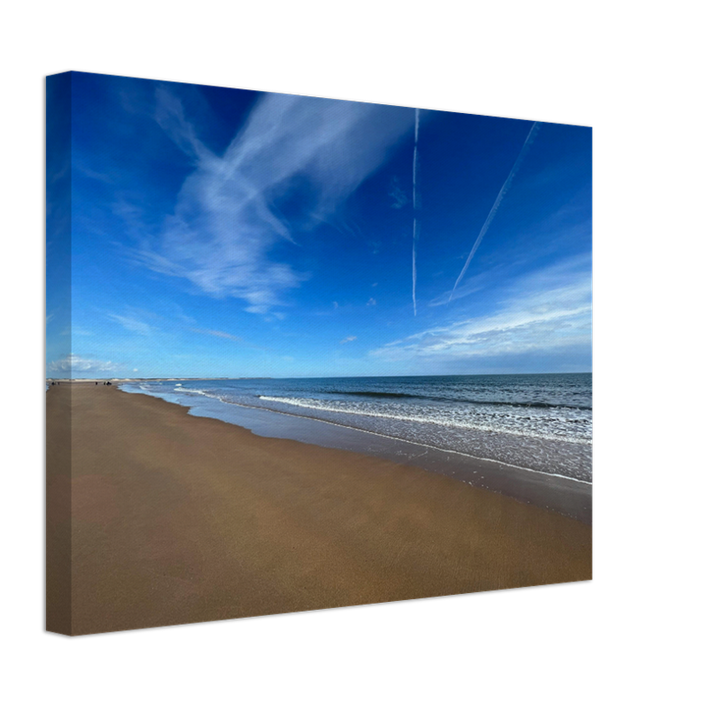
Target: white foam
[(313, 404)]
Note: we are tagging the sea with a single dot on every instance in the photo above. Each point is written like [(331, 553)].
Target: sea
[(535, 422)]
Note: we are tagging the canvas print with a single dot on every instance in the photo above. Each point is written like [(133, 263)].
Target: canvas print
[(306, 353)]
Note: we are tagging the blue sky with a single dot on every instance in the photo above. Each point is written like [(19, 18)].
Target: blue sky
[(221, 232)]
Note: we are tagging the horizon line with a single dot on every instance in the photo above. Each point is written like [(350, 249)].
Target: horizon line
[(414, 375)]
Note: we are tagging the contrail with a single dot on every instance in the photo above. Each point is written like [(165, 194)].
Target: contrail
[(415, 205), (501, 195)]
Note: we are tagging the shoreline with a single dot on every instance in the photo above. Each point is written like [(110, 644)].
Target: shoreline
[(177, 519), (565, 495)]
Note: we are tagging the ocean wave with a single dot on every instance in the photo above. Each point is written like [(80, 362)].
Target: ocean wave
[(314, 404), (436, 398), (375, 394)]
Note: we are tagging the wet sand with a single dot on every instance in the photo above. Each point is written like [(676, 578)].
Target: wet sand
[(171, 519)]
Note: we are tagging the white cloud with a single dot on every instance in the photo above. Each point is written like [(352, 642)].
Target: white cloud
[(225, 224), (548, 311), (72, 363), (348, 339), (371, 302)]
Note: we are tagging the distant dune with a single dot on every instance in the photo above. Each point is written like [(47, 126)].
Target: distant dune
[(133, 380)]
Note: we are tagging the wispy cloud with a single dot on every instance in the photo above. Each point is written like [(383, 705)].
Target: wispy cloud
[(371, 302), (226, 220), (79, 166), (177, 312), (470, 285), (136, 326), (548, 310), (399, 197), (556, 234), (230, 337), (170, 116), (498, 200), (348, 339), (219, 334)]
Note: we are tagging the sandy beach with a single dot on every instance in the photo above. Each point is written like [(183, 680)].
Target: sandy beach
[(171, 519)]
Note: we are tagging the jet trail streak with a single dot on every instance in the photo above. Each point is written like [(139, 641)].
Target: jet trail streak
[(415, 206), (501, 195)]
